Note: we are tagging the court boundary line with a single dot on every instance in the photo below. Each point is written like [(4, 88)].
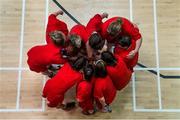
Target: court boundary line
[(158, 110), (21, 110), (44, 78), (21, 55), (133, 91), (20, 69), (157, 53), (133, 75), (13, 68), (136, 68)]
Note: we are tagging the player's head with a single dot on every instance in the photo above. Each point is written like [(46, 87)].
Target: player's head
[(79, 63), (124, 42), (95, 41), (100, 69), (88, 72), (71, 49), (115, 28), (75, 40), (108, 58), (58, 38)]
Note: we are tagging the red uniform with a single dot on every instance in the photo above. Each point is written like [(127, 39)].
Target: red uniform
[(104, 88), (94, 24), (39, 57), (79, 30), (119, 74), (56, 87), (123, 53), (127, 28), (55, 24), (84, 95)]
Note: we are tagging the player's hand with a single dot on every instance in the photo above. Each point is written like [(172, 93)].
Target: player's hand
[(59, 12), (104, 15), (131, 54)]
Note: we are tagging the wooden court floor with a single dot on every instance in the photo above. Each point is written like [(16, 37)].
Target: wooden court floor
[(148, 96)]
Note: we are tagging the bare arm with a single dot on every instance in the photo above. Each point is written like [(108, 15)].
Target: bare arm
[(138, 45), (89, 50)]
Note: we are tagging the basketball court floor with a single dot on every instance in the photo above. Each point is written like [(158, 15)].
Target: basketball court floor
[(153, 92)]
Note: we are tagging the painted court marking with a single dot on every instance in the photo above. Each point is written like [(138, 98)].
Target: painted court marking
[(20, 68)]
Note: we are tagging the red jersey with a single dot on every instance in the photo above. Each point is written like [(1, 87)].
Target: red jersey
[(123, 53), (119, 74), (94, 25), (56, 87), (84, 90), (84, 95), (104, 88), (79, 30), (39, 57), (55, 24), (127, 28)]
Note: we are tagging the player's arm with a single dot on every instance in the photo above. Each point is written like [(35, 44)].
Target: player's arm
[(59, 12)]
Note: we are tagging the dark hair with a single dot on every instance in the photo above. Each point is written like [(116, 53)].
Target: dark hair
[(108, 58), (100, 69), (79, 63), (75, 40), (88, 72), (71, 50), (114, 27), (57, 38), (63, 53), (96, 42), (124, 41)]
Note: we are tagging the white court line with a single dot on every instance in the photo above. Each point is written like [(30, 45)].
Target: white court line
[(13, 68), (170, 69), (157, 110), (21, 54), (46, 13), (134, 91), (133, 75), (21, 110), (130, 10), (46, 21), (136, 68), (43, 99), (157, 53)]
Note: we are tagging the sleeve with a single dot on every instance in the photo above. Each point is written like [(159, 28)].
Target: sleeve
[(130, 29), (95, 23), (33, 62), (52, 19)]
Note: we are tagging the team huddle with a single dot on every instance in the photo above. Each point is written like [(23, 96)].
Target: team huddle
[(88, 64)]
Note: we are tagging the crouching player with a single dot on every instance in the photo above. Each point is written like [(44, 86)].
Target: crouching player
[(117, 70), (84, 91), (124, 46), (41, 57), (104, 90), (68, 76)]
